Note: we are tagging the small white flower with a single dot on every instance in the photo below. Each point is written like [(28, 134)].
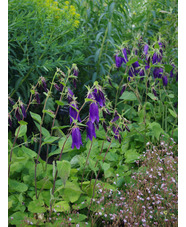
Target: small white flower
[(77, 225), (105, 215), (70, 219)]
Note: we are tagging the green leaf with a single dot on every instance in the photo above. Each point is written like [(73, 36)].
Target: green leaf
[(128, 96), (22, 131), (72, 192), (36, 206), (29, 152), (49, 113), (77, 218), (173, 113), (22, 122), (62, 206), (44, 131), (152, 96), (64, 168), (17, 218), (132, 61), (17, 186), (49, 140), (156, 129), (60, 103), (36, 117), (131, 156)]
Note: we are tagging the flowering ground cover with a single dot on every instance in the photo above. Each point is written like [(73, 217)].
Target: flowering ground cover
[(93, 122)]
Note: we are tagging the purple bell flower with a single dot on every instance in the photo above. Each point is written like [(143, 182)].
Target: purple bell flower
[(76, 137), (136, 66), (93, 112), (57, 87), (142, 73), (165, 80), (157, 72), (146, 48), (73, 113), (99, 97), (90, 130), (119, 60)]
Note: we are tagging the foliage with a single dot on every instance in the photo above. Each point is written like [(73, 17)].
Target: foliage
[(93, 123), (42, 36)]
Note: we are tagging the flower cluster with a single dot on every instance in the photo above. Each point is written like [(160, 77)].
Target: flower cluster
[(151, 61), (149, 199)]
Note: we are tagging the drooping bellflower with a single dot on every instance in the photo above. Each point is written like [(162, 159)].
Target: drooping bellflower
[(9, 120), (165, 80), (125, 59), (157, 72), (90, 130), (146, 48), (99, 97), (93, 112), (37, 97), (44, 84), (70, 95), (76, 137), (119, 60)]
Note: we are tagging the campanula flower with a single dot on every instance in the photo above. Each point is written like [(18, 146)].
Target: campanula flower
[(119, 60), (99, 97), (154, 92), (116, 116), (90, 130), (146, 48), (157, 72), (76, 137), (165, 80), (44, 84), (93, 112)]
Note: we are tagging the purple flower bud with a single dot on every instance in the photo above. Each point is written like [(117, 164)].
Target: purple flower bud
[(125, 55), (23, 110), (127, 128), (17, 114), (156, 58), (76, 137), (110, 82), (57, 87), (157, 72), (104, 126), (146, 48), (165, 80), (9, 120), (116, 132), (154, 92), (116, 117), (147, 64), (70, 95), (131, 72), (37, 97), (90, 130), (76, 72), (74, 82), (171, 72), (136, 66), (74, 113), (108, 139), (123, 89), (44, 84), (61, 87), (99, 97), (141, 73), (119, 60), (94, 112)]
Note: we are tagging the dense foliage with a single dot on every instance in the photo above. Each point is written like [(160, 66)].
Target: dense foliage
[(93, 113)]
